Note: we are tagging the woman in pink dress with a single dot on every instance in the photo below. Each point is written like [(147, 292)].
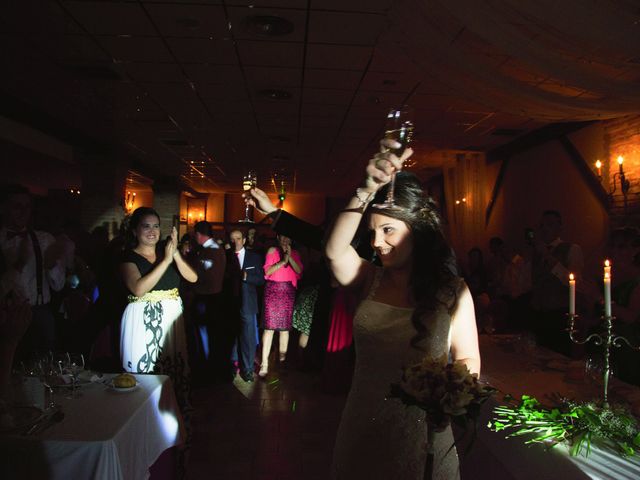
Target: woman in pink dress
[(283, 269)]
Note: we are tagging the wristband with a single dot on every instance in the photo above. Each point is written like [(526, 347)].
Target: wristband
[(364, 197)]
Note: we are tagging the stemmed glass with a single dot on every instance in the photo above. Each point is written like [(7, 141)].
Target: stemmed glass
[(75, 366), (399, 127), (249, 181)]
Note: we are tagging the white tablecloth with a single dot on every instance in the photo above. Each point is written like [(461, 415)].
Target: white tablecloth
[(495, 457), (105, 434)]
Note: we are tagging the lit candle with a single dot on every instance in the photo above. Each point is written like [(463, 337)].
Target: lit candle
[(599, 167), (607, 294), (607, 268), (572, 294), (620, 161)]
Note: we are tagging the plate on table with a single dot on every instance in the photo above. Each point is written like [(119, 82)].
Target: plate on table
[(123, 389), (19, 417)]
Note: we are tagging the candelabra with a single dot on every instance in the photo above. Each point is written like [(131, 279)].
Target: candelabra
[(607, 339)]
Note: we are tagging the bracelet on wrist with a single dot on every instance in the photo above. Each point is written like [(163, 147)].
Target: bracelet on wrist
[(364, 197)]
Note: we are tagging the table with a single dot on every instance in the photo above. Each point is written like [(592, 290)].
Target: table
[(537, 373), (105, 434)]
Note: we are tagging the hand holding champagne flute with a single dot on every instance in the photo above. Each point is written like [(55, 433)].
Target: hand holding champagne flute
[(399, 127), (249, 181)]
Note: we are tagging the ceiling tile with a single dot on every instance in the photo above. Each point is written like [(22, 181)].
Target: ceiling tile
[(111, 18), (345, 57), (327, 96), (187, 20), (336, 79), (250, 4), (70, 48), (321, 110), (390, 81), (262, 77), (279, 54), (199, 50), (18, 16), (136, 49), (215, 74), (341, 5), (345, 28), (379, 100), (154, 72), (244, 29)]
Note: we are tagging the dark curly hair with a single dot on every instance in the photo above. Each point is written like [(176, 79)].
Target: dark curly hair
[(136, 217), (433, 279)]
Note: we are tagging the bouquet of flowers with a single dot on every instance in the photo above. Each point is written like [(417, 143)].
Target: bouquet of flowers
[(445, 391), (576, 423)]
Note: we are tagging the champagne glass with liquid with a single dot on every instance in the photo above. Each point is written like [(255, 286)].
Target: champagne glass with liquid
[(249, 181), (399, 127)]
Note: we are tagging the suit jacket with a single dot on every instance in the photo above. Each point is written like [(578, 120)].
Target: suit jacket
[(210, 266), (244, 292)]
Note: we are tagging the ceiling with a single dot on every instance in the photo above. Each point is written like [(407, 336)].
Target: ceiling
[(209, 88)]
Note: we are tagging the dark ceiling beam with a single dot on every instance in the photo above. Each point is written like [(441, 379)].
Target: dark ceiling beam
[(554, 131), (587, 174), (534, 139)]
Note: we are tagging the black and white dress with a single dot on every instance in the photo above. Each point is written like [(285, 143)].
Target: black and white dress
[(153, 338)]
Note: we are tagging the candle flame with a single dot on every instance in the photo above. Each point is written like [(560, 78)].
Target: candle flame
[(598, 164), (571, 277), (620, 159), (607, 263)]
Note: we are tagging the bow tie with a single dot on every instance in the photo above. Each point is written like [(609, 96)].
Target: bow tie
[(11, 234)]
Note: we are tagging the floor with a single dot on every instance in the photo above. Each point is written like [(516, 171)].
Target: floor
[(281, 428)]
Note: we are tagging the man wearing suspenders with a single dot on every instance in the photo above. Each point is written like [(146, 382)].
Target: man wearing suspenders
[(33, 267)]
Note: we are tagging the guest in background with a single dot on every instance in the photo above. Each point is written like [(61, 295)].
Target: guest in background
[(209, 262), (34, 267), (283, 269), (244, 276), (476, 275), (153, 335), (552, 261)]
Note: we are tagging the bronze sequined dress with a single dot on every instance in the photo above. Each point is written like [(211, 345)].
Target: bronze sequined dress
[(380, 437)]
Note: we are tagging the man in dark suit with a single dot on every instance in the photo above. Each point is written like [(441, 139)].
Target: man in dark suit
[(209, 263), (245, 274)]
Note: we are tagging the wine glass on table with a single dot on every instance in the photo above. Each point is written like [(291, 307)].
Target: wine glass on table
[(399, 127), (249, 181)]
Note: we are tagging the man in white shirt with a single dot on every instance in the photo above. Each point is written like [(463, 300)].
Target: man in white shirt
[(34, 267), (210, 264)]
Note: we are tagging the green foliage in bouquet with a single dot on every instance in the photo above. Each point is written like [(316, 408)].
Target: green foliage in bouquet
[(577, 424), (445, 391)]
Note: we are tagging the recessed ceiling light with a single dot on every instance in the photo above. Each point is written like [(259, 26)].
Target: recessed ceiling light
[(269, 25)]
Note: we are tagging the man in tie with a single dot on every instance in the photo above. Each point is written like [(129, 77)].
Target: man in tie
[(245, 274), (209, 263), (33, 267)]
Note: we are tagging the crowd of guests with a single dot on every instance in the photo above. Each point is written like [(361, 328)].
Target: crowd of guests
[(194, 308)]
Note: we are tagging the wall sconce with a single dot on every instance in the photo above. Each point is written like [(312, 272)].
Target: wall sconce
[(599, 169), (625, 185), (129, 202), (462, 201)]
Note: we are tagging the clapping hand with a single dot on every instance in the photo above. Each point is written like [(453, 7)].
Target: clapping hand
[(171, 248)]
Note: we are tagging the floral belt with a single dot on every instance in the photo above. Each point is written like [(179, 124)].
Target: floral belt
[(156, 296)]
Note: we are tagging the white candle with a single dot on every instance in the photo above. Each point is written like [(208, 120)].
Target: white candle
[(607, 294), (572, 294), (607, 267)]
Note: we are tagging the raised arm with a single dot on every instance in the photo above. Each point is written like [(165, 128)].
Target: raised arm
[(347, 267), (464, 334)]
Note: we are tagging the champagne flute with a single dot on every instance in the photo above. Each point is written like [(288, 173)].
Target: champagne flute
[(399, 127), (249, 181)]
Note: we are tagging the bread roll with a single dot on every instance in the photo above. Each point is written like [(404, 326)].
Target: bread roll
[(124, 380)]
